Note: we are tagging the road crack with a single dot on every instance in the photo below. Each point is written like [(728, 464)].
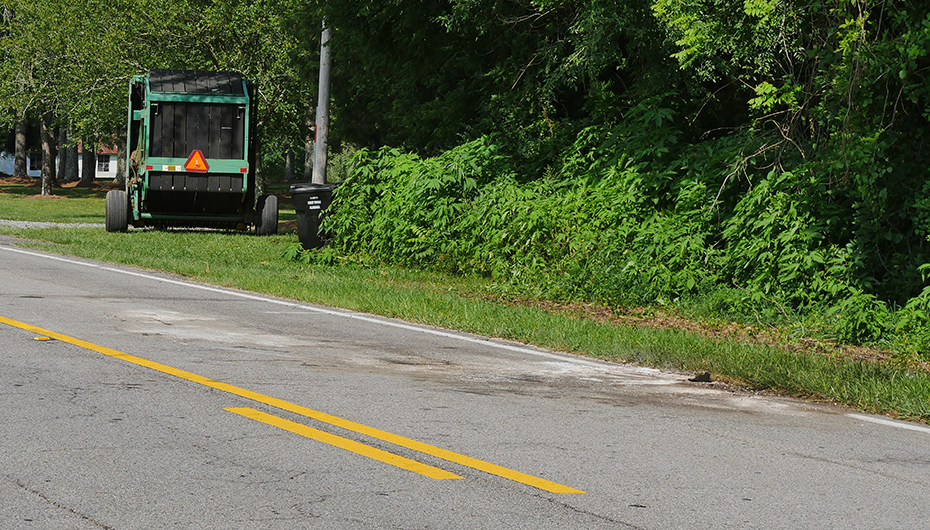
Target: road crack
[(57, 504), (590, 514)]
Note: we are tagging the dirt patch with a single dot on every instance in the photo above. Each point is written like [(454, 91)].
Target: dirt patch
[(50, 196), (30, 182), (103, 185), (7, 180)]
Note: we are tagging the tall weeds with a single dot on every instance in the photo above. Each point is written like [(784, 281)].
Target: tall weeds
[(632, 218)]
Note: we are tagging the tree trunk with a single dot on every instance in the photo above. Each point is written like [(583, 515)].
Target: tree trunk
[(48, 153), (88, 163), (121, 164), (289, 164), (56, 153), (259, 170), (19, 155), (67, 156)]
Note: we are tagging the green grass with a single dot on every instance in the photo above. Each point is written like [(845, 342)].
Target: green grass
[(78, 205), (240, 260)]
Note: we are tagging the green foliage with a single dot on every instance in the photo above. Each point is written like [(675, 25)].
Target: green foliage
[(633, 217), (722, 38), (860, 317), (75, 58), (423, 75), (914, 322), (405, 208)]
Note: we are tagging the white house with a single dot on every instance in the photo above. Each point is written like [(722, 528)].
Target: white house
[(106, 164)]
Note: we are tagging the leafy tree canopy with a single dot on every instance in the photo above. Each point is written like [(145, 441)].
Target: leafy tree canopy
[(76, 57)]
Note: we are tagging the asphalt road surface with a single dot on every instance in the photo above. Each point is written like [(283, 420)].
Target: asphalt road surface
[(132, 399)]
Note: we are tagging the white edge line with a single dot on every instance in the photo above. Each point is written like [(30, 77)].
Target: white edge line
[(890, 423), (330, 312)]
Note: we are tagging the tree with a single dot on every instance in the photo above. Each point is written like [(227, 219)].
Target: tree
[(120, 164), (19, 154), (54, 57), (429, 75), (88, 162), (48, 152), (67, 155)]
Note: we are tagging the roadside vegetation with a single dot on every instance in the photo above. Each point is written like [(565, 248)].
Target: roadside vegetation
[(609, 228), (754, 357), (738, 186)]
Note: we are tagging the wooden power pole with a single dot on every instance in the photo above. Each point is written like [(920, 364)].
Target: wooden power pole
[(322, 112)]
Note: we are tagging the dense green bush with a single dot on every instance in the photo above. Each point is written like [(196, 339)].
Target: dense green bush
[(756, 159), (609, 227)]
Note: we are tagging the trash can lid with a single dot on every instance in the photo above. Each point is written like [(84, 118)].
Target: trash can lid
[(311, 187)]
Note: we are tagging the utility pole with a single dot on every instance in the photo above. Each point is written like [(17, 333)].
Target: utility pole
[(322, 112), (309, 141)]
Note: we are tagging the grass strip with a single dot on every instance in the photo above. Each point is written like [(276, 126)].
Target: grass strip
[(239, 260), (76, 205)]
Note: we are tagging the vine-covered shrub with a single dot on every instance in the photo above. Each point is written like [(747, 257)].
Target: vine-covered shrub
[(611, 228), (765, 158)]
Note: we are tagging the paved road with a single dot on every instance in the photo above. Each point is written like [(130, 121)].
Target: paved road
[(132, 399)]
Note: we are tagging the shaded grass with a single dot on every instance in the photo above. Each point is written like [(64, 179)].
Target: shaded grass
[(243, 261), (68, 205), (81, 205)]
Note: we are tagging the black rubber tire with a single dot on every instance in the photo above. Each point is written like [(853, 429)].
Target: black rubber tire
[(117, 213), (266, 215)]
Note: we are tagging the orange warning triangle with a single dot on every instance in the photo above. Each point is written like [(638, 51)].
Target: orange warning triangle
[(196, 162)]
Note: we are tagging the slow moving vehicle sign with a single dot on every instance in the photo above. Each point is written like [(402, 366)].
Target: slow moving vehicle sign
[(196, 162)]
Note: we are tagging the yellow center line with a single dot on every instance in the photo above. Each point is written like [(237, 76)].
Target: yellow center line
[(345, 443), (349, 425)]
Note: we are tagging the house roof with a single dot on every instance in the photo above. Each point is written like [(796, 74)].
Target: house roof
[(100, 150)]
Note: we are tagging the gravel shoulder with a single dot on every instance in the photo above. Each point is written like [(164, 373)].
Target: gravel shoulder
[(38, 224)]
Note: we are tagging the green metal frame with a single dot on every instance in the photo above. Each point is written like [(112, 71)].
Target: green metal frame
[(138, 189)]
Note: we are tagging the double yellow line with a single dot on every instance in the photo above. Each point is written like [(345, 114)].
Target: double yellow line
[(303, 430)]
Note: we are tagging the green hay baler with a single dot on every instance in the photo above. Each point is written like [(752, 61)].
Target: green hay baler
[(192, 151)]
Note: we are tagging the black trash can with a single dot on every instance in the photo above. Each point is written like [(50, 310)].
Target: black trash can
[(310, 200)]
